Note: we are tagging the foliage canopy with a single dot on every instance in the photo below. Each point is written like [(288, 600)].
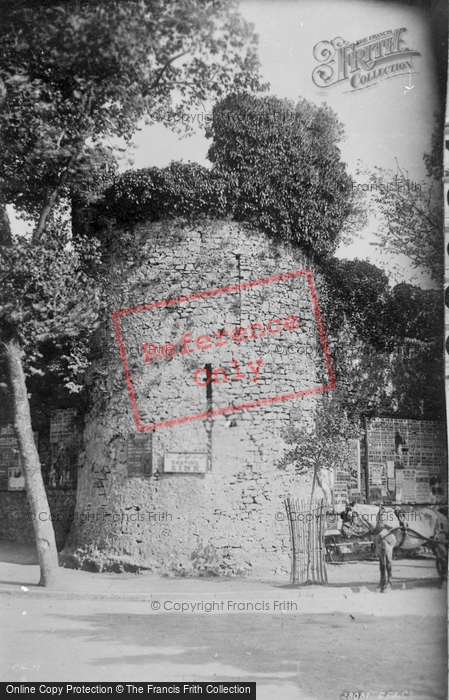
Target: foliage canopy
[(386, 343), (273, 163), (410, 213), (284, 168), (74, 73), (324, 446)]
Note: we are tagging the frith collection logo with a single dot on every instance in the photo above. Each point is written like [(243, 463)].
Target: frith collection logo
[(363, 63)]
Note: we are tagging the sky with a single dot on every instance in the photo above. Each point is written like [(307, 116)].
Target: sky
[(388, 123), (385, 124), (382, 123)]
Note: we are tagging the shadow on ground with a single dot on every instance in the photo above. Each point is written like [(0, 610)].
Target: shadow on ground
[(396, 584), (18, 553), (323, 655)]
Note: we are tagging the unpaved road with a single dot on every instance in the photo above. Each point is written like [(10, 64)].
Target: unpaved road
[(365, 642)]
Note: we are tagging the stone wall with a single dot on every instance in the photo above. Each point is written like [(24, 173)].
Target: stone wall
[(15, 518), (231, 516)]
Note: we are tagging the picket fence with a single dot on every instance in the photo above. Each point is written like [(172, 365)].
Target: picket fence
[(307, 524)]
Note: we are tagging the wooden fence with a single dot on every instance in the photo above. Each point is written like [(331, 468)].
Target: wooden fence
[(307, 523)]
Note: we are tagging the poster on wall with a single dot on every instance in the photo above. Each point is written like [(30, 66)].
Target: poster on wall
[(8, 454), (422, 488), (65, 448), (377, 481), (376, 474), (409, 485), (408, 446), (346, 480), (399, 478), (12, 477), (139, 456)]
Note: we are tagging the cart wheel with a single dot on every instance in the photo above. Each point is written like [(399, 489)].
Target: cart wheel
[(333, 554), (441, 567)]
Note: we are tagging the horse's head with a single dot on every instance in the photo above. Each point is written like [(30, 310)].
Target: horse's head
[(355, 524)]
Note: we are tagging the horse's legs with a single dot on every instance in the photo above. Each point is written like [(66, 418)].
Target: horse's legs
[(388, 561), (384, 551), (381, 554), (381, 585), (441, 562)]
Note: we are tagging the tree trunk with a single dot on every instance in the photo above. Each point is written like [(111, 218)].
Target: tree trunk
[(313, 484), (316, 480), (45, 213), (5, 228), (37, 497)]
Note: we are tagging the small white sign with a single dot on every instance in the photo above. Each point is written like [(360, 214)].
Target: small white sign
[(422, 488), (185, 462), (390, 469), (376, 473)]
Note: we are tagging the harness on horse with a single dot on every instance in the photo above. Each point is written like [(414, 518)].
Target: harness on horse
[(400, 514), (381, 524), (404, 527)]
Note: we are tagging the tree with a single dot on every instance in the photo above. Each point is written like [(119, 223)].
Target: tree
[(73, 74), (324, 446), (417, 368), (385, 343), (411, 213), (411, 219), (46, 295), (415, 313), (356, 290), (81, 72), (283, 169)]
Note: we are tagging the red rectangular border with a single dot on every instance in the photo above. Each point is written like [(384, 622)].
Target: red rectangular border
[(209, 293)]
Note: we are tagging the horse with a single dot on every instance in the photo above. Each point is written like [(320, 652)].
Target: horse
[(392, 527)]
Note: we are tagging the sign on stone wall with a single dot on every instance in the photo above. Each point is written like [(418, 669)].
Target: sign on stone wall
[(139, 455), (185, 462)]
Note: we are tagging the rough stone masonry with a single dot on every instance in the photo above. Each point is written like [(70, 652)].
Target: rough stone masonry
[(191, 358)]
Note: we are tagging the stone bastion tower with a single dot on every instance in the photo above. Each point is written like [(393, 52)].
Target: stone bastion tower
[(211, 350)]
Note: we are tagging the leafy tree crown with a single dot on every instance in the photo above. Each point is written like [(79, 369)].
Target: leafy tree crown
[(74, 73), (284, 168), (273, 163)]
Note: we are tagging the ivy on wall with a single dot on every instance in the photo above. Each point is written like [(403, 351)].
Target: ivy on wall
[(181, 190), (274, 164)]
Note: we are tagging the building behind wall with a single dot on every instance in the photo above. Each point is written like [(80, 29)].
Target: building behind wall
[(58, 438), (407, 461), (404, 460)]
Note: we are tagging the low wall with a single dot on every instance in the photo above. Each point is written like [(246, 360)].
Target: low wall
[(16, 523)]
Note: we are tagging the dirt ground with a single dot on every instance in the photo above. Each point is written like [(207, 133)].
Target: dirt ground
[(313, 643)]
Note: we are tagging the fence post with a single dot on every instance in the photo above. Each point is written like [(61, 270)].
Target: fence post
[(306, 527)]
